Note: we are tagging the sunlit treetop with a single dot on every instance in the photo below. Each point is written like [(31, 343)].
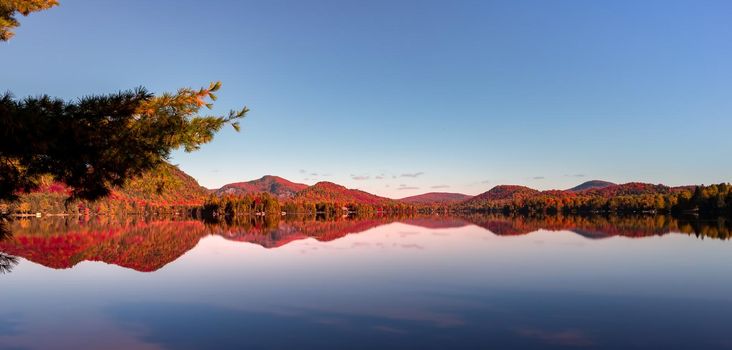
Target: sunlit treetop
[(10, 8)]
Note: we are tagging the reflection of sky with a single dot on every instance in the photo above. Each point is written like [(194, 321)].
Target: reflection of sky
[(392, 283)]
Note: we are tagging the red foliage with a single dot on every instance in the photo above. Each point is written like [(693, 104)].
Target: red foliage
[(505, 193), (329, 192), (275, 185), (631, 188), (436, 197)]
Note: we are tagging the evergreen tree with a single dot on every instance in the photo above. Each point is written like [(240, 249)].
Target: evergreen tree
[(100, 141), (9, 9)]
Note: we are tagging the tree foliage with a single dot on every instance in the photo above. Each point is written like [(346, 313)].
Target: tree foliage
[(163, 189), (712, 200), (97, 142), (10, 8)]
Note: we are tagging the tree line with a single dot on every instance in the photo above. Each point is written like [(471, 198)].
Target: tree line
[(711, 200), (267, 204)]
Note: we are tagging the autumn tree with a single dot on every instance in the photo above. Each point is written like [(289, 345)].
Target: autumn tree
[(9, 9), (97, 142)]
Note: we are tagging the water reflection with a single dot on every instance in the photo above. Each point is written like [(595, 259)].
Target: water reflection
[(599, 226), (133, 243), (495, 321), (149, 244), (372, 282), (276, 232), (7, 262)]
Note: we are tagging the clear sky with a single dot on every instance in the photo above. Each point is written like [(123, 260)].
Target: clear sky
[(403, 97)]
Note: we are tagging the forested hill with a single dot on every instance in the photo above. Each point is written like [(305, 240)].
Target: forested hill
[(630, 197), (502, 194), (436, 197), (275, 185), (592, 184), (333, 193), (165, 186)]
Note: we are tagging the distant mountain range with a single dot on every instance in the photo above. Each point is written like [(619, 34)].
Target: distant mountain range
[(169, 186), (328, 192), (331, 192)]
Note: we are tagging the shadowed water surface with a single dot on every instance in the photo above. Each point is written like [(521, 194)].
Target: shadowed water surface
[(471, 282)]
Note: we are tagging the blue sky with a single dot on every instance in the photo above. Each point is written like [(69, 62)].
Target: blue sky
[(403, 97)]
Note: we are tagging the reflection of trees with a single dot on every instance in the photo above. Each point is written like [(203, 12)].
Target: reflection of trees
[(147, 245), (7, 262), (134, 242), (720, 228), (276, 231), (4, 231), (601, 226)]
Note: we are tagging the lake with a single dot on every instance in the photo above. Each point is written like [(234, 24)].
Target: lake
[(426, 282)]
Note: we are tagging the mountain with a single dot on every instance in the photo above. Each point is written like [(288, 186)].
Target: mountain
[(633, 197), (332, 193), (629, 189), (163, 186), (592, 184), (275, 185), (504, 193), (435, 197)]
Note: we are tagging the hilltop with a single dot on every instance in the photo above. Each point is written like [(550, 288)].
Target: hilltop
[(503, 193), (275, 185), (629, 189), (163, 187), (435, 197), (592, 184), (333, 193)]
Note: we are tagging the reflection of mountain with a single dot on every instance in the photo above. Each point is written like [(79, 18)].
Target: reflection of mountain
[(601, 226), (139, 245), (286, 231), (436, 222), (590, 227), (279, 233), (150, 245)]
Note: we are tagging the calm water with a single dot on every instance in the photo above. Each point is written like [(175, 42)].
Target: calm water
[(475, 282)]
